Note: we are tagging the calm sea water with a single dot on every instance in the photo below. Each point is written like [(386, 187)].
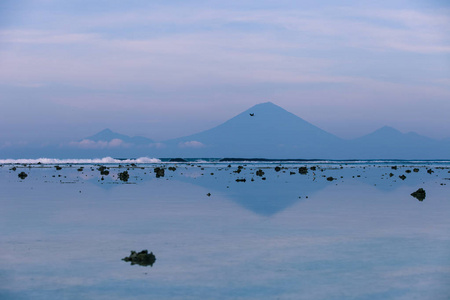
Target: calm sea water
[(362, 235)]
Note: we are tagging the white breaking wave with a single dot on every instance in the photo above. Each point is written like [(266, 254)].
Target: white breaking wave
[(104, 160)]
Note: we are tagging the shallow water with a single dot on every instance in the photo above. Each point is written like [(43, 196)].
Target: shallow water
[(64, 232)]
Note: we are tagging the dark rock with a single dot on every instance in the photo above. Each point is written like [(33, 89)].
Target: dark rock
[(277, 169), (58, 168), (394, 167), (260, 173), (13, 169), (408, 171), (391, 174), (124, 176), (237, 171), (103, 170), (241, 180), (402, 177), (303, 170), (80, 169), (172, 168), (159, 172), (22, 175), (209, 194), (419, 194), (251, 115), (330, 178), (416, 170), (430, 171), (142, 258), (313, 168), (292, 173)]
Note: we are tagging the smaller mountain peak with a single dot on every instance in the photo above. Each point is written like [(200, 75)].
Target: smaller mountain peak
[(106, 130), (388, 129)]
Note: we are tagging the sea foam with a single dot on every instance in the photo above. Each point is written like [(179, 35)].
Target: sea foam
[(104, 160)]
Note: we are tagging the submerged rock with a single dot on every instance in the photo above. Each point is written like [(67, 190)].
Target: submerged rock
[(124, 176), (142, 258), (419, 194), (22, 175), (402, 177)]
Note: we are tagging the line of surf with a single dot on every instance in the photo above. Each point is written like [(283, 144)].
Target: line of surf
[(104, 160)]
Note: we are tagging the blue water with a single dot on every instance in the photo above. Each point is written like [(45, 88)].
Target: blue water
[(363, 236)]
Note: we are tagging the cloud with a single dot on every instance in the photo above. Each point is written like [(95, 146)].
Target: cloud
[(89, 144), (191, 144)]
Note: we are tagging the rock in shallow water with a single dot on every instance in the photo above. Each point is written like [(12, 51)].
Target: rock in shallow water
[(142, 258), (124, 176), (22, 175), (419, 194)]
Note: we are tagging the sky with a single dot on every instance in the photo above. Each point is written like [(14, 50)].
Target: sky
[(165, 69)]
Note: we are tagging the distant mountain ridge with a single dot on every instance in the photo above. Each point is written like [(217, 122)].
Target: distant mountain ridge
[(108, 135), (267, 130), (263, 131)]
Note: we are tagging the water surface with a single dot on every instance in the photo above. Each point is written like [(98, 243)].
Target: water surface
[(290, 236)]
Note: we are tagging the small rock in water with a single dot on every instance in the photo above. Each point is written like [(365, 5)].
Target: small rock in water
[(402, 177), (419, 194), (142, 258), (124, 176), (159, 172), (330, 178), (303, 170), (241, 180), (260, 173), (209, 194), (430, 171), (277, 169), (22, 175)]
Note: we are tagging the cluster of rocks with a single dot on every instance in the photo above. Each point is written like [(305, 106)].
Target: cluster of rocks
[(124, 176), (159, 172)]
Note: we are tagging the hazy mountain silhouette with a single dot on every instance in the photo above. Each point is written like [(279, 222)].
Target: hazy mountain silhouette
[(108, 135), (388, 142), (264, 130)]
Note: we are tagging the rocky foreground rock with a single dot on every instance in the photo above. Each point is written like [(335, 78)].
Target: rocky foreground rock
[(142, 258), (419, 194)]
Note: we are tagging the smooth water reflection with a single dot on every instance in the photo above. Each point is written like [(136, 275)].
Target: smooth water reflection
[(286, 237)]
